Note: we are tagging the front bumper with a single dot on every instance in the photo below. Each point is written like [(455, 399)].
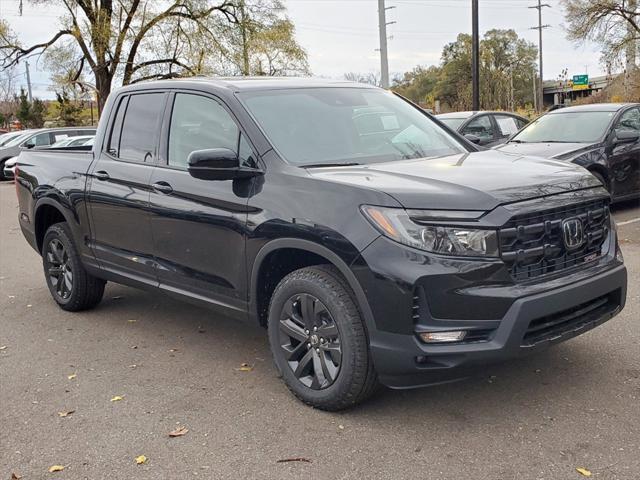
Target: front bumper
[(519, 318), (403, 361)]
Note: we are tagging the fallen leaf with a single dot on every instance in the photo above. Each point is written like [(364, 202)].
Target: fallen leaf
[(66, 413), (132, 321), (15, 476), (29, 306), (141, 459), (244, 367), (173, 350), (3, 347), (117, 398), (56, 468), (72, 376), (117, 297), (341, 427), (133, 366), (178, 432), (583, 471), (298, 459)]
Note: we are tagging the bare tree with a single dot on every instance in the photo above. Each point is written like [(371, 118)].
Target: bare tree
[(118, 39), (614, 24)]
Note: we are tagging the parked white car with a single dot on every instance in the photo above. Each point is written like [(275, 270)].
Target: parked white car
[(9, 168)]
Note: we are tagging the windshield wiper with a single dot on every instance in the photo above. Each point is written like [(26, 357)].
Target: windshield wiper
[(517, 141), (335, 164)]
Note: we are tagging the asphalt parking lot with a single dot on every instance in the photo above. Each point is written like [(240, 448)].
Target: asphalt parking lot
[(173, 365)]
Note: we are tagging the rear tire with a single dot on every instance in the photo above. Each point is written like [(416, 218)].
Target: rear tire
[(318, 340), (70, 285)]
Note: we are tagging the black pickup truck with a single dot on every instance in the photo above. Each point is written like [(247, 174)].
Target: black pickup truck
[(377, 245)]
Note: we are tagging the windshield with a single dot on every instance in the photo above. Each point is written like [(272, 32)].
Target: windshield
[(6, 137), (17, 140), (573, 127), (452, 123), (317, 126)]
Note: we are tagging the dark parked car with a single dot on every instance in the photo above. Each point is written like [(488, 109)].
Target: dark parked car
[(603, 138), (38, 138), (375, 246), (484, 128)]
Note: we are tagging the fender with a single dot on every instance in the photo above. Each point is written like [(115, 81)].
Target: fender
[(317, 249), (69, 216)]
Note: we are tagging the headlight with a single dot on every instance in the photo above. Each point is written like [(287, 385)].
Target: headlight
[(396, 224)]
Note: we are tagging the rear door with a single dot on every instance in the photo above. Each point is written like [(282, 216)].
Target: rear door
[(118, 191), (199, 226), (507, 125), (624, 159)]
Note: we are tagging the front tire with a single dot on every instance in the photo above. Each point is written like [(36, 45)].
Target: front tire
[(70, 285), (318, 340)]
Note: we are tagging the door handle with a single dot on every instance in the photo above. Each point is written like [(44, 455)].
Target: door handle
[(101, 175), (162, 187)]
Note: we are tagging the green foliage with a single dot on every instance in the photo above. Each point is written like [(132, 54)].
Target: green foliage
[(68, 110), (38, 112), (503, 55), (23, 113)]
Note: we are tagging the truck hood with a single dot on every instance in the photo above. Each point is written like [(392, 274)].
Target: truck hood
[(470, 181), (545, 150)]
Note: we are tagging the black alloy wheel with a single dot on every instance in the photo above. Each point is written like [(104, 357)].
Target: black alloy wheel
[(71, 286), (58, 267), (318, 339), (310, 340)]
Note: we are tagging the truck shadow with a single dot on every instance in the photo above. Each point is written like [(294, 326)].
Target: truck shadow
[(547, 384)]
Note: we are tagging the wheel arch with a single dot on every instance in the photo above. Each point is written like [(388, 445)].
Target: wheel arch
[(317, 254), (47, 212)]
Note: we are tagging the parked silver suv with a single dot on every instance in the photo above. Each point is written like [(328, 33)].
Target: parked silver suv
[(43, 137)]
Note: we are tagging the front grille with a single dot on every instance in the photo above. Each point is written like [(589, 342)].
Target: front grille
[(532, 245), (580, 317)]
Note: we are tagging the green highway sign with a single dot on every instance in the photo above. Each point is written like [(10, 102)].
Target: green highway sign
[(581, 79)]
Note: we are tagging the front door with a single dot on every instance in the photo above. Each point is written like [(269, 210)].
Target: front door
[(624, 160), (118, 191), (199, 226)]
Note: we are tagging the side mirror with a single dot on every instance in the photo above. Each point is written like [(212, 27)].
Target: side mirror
[(29, 146), (472, 138), (626, 136), (218, 164)]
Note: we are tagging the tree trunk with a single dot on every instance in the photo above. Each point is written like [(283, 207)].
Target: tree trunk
[(103, 87)]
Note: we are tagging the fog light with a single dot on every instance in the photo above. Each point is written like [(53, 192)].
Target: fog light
[(442, 337)]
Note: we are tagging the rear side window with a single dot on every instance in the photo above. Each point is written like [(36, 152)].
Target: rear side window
[(140, 127), (507, 125), (199, 123)]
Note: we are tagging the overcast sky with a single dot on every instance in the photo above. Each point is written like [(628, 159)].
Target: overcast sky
[(342, 35)]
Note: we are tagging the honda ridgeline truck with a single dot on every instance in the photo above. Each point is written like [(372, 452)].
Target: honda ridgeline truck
[(375, 244)]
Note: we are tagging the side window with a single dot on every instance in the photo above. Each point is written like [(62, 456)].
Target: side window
[(507, 125), (57, 136), (246, 154), (521, 123), (140, 127), (481, 127), (630, 120), (199, 123), (113, 147), (40, 140)]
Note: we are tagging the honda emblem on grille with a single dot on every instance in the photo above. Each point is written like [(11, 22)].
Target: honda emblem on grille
[(572, 233)]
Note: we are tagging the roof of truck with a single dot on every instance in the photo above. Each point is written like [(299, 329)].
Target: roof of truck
[(255, 83)]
